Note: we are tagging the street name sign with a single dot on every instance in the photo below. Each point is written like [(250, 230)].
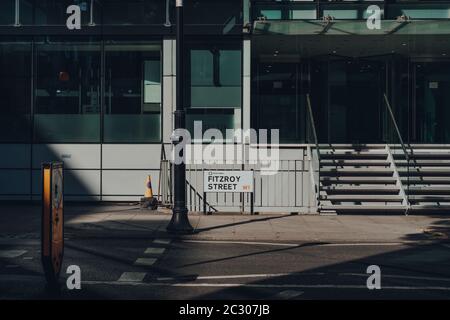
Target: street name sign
[(228, 181)]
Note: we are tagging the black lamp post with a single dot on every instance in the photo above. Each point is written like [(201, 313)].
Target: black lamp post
[(180, 222)]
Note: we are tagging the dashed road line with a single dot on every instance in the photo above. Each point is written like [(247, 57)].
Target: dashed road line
[(155, 250), (132, 277), (162, 241), (145, 262), (288, 294)]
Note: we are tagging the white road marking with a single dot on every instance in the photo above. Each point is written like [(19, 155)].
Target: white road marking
[(162, 241), (240, 276), (11, 253), (252, 285), (154, 251), (132, 277), (299, 245), (145, 262), (397, 276), (27, 258), (244, 242), (288, 294), (361, 244)]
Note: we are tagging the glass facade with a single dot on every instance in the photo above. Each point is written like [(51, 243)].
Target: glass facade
[(214, 84), (347, 84), (348, 70), (134, 12), (52, 12), (7, 12), (432, 101), (103, 83), (132, 93), (214, 16), (67, 95), (86, 91), (15, 89)]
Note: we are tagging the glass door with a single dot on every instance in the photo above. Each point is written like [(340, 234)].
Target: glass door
[(431, 101), (349, 99)]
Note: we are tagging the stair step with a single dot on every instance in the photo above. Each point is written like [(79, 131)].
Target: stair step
[(353, 153), (429, 189), (375, 189), (352, 146), (429, 198), (365, 208), (442, 155), (441, 171), (356, 171), (423, 162), (362, 197), (352, 162), (425, 180), (357, 180), (427, 206)]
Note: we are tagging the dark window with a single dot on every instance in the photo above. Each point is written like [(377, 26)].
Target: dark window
[(277, 102), (118, 12), (67, 92), (132, 93), (214, 91), (7, 12), (214, 16), (15, 91), (54, 12)]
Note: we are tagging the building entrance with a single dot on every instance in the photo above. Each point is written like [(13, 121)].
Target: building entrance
[(347, 78)]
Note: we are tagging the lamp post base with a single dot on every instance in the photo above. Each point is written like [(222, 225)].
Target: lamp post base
[(180, 223)]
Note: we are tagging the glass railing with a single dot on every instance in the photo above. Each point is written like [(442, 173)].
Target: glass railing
[(313, 150), (398, 152)]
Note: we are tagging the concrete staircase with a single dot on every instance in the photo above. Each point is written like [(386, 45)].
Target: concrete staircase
[(427, 182), (359, 178)]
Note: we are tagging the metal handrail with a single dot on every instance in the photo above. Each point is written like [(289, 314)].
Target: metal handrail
[(200, 197), (315, 180), (391, 113), (311, 119)]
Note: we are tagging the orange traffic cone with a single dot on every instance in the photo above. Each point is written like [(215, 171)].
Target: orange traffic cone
[(149, 201)]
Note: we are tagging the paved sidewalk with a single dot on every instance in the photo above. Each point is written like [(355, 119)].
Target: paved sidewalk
[(23, 222)]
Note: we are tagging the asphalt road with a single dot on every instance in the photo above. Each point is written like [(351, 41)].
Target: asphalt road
[(147, 268)]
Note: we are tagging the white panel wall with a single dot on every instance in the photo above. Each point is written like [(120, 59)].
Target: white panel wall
[(131, 156), (14, 182), (15, 156), (129, 184), (15, 173), (82, 169), (75, 156), (80, 183)]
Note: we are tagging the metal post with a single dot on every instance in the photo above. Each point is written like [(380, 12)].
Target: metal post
[(180, 221), (205, 212), (252, 196)]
